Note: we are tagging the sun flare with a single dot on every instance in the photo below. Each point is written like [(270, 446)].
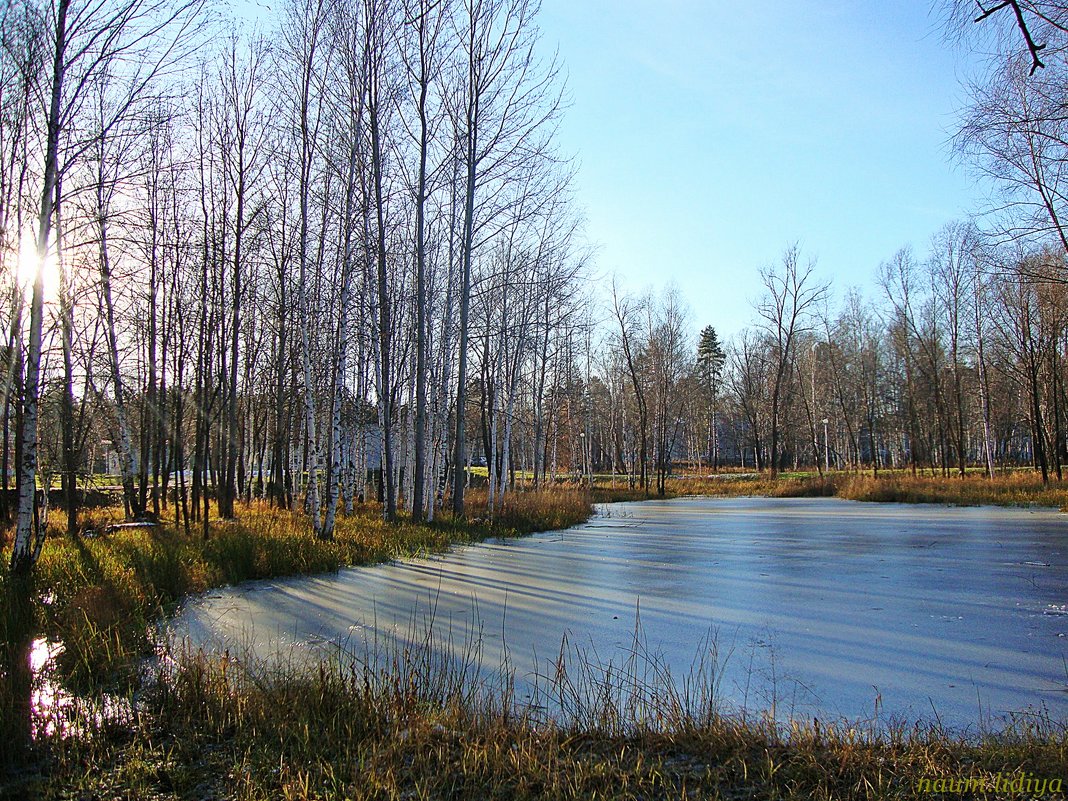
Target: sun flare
[(28, 266)]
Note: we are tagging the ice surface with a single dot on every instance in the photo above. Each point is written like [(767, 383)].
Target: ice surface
[(829, 608)]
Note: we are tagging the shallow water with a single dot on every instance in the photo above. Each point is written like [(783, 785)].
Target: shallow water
[(822, 607)]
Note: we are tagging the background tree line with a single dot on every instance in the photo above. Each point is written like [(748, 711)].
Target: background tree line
[(339, 259), (957, 361)]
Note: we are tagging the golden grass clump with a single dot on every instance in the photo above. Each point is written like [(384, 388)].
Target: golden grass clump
[(1014, 488)]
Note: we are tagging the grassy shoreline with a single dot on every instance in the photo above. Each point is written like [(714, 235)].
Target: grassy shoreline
[(1015, 488), (101, 594), (207, 729)]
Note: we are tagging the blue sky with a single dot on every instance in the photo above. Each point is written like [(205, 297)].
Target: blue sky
[(711, 135)]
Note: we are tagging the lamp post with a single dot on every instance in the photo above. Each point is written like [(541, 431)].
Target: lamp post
[(826, 448)]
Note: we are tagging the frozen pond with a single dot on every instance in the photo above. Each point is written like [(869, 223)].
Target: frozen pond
[(830, 608)]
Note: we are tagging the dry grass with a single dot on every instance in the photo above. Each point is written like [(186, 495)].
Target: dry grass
[(211, 729), (527, 511), (1010, 488), (1016, 488)]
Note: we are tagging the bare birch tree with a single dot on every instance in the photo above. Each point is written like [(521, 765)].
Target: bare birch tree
[(793, 294)]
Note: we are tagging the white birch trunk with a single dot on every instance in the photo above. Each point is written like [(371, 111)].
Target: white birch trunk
[(29, 534), (308, 129), (312, 489), (333, 486)]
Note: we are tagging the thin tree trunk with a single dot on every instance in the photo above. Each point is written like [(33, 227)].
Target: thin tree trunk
[(30, 537)]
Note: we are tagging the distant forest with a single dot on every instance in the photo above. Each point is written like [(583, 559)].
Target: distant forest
[(339, 259)]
